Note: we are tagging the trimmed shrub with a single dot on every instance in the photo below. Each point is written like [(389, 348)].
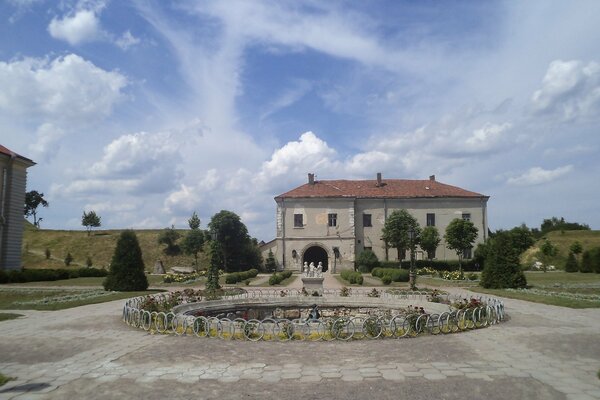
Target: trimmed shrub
[(386, 279), (352, 277), (367, 260), (235, 277), (279, 277), (571, 264), (395, 274), (127, 266), (45, 275), (502, 268)]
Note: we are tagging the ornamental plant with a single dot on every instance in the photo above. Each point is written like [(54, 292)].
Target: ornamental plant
[(127, 266)]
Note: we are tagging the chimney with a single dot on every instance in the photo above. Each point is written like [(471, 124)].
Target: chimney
[(378, 179), (432, 178), (311, 179)]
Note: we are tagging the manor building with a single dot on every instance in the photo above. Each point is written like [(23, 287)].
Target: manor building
[(333, 221), (13, 180)]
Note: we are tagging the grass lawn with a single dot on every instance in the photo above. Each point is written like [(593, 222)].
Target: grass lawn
[(574, 290), (46, 299), (8, 316), (153, 280)]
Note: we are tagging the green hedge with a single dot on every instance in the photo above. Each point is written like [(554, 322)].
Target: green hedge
[(236, 277), (389, 275), (352, 277), (279, 277), (42, 275), (450, 265)]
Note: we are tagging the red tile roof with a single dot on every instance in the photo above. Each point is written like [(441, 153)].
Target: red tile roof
[(10, 153), (390, 188)]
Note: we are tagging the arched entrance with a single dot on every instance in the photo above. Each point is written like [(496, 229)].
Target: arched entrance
[(315, 254)]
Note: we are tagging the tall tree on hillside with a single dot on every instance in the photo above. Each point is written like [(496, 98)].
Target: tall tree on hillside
[(170, 236), (90, 220), (193, 242), (33, 200), (460, 237), (395, 231)]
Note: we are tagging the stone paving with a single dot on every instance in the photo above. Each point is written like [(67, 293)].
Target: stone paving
[(541, 352)]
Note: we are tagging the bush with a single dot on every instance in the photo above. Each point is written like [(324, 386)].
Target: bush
[(352, 277), (586, 262), (45, 275), (68, 259), (279, 277), (235, 277), (472, 276), (127, 266), (386, 279), (571, 264), (395, 274), (48, 254), (367, 260)]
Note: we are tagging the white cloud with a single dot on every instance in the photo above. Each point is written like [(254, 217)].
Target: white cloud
[(571, 89), (67, 88), (82, 26), (486, 138), (289, 97), (538, 175), (127, 40), (47, 140)]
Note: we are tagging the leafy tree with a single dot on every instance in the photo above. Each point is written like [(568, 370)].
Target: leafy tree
[(194, 221), (430, 240), (586, 262), (571, 264), (395, 231), (33, 200), (559, 224), (522, 238), (193, 243), (90, 220), (127, 266), (502, 269), (460, 236), (68, 259), (576, 248), (170, 236), (367, 261), (270, 263), (233, 239)]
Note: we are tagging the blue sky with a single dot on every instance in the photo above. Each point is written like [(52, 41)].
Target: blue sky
[(145, 111)]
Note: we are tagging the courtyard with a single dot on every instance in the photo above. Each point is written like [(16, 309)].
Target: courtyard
[(540, 351)]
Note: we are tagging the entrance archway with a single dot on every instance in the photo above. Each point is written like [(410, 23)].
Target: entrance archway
[(315, 254)]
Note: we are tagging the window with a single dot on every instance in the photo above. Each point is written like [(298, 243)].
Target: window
[(332, 219), (467, 254), (466, 216), (367, 220), (298, 221), (430, 219), (368, 249)]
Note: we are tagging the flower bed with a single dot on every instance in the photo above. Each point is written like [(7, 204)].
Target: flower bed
[(183, 278)]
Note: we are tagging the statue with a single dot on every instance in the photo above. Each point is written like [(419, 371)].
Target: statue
[(311, 269), (320, 270), (305, 268)]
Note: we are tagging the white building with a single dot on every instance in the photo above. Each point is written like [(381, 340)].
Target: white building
[(333, 221)]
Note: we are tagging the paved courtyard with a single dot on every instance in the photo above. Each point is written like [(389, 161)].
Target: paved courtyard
[(541, 352)]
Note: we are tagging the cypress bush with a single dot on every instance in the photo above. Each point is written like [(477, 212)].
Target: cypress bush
[(502, 268), (367, 260), (571, 264), (127, 266)]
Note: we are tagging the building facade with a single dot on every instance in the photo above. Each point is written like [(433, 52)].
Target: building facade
[(333, 221), (13, 183)]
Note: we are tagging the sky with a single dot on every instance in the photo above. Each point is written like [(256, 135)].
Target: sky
[(145, 111)]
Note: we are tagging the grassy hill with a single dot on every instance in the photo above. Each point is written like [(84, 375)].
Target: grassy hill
[(562, 241), (99, 246)]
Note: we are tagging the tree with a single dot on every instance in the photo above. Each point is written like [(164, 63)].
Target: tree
[(502, 269), (90, 220), (395, 231), (170, 236), (194, 221), (68, 259), (33, 200), (576, 248), (586, 262), (559, 224), (193, 243), (430, 240), (367, 261), (522, 238), (127, 266), (212, 275), (270, 263), (571, 264), (460, 236), (232, 237)]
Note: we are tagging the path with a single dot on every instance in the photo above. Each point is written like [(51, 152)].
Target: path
[(541, 352)]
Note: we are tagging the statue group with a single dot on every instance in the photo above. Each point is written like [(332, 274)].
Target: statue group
[(310, 271)]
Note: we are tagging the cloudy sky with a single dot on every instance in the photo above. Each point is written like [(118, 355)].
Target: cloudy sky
[(145, 111)]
